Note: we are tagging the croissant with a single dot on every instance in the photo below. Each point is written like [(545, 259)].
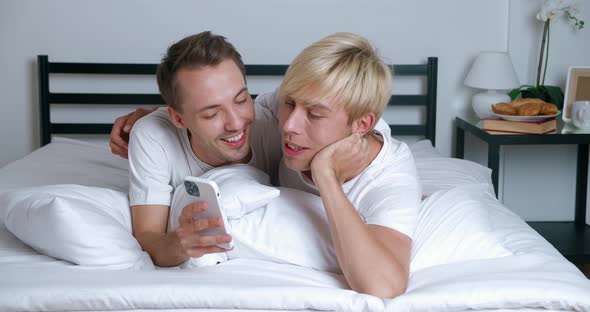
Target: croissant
[(504, 109), (519, 102), (525, 107), (529, 109), (548, 109)]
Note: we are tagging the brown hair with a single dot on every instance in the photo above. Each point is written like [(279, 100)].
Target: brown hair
[(202, 49)]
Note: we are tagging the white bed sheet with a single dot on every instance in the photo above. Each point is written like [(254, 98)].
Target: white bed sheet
[(245, 284), (15, 253), (535, 277)]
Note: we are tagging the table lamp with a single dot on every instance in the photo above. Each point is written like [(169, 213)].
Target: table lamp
[(492, 71)]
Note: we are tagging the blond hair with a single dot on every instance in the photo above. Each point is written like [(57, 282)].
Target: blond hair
[(345, 66), (199, 50)]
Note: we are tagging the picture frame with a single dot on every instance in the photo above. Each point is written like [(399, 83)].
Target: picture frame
[(577, 88)]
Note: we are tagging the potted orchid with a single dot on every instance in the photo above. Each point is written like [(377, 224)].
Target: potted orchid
[(550, 10)]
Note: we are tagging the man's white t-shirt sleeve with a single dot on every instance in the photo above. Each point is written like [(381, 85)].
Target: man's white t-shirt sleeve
[(265, 140), (394, 205), (149, 172), (393, 195), (269, 104)]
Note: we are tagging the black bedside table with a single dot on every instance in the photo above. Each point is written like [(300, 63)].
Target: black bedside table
[(572, 238)]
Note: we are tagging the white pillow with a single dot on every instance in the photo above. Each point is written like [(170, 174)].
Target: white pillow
[(89, 226), (293, 228), (454, 226), (443, 173), (242, 188), (424, 149)]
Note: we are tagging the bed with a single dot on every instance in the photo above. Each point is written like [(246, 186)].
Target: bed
[(470, 252)]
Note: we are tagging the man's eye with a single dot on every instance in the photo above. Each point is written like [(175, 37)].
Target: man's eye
[(289, 104), (211, 116), (313, 115)]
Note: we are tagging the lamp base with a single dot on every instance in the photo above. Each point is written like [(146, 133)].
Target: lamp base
[(482, 102)]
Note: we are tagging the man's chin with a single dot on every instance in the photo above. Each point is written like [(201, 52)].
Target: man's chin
[(297, 165), (241, 156)]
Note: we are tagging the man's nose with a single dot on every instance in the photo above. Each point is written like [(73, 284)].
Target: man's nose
[(294, 121), (233, 121)]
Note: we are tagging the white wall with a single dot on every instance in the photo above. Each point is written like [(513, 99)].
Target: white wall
[(267, 31), (539, 180)]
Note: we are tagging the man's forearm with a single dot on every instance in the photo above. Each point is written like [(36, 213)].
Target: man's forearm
[(164, 248), (369, 267)]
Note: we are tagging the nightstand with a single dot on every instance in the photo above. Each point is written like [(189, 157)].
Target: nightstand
[(572, 238)]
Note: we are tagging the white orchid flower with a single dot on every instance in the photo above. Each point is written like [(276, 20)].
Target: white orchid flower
[(550, 10), (556, 8)]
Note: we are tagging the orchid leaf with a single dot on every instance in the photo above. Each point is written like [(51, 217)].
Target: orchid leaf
[(518, 92), (514, 93), (555, 94)]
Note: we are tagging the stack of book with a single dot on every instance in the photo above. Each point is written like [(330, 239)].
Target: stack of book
[(496, 126)]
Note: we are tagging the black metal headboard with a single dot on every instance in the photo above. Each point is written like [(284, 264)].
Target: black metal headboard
[(46, 97)]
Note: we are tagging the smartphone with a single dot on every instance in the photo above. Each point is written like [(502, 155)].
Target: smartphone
[(198, 189)]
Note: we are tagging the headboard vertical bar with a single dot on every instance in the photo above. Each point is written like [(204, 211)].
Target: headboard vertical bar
[(45, 124), (431, 74)]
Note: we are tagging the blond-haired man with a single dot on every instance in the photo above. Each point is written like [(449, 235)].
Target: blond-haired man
[(332, 97)]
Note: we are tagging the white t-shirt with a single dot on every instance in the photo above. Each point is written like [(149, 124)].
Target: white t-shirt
[(160, 155), (386, 193)]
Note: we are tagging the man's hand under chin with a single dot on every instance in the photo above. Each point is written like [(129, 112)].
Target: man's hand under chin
[(343, 159)]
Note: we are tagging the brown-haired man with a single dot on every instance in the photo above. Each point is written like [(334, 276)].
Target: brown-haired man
[(207, 123)]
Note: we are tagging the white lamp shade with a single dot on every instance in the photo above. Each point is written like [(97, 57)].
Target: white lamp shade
[(492, 71)]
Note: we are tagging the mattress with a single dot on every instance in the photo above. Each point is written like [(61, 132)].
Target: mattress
[(534, 275)]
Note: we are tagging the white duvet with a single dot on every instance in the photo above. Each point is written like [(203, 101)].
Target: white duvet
[(532, 276), (512, 268)]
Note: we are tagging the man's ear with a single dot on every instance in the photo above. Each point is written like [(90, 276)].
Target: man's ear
[(364, 123), (176, 118)]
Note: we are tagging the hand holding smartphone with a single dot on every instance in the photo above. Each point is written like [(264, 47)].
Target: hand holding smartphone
[(198, 189)]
